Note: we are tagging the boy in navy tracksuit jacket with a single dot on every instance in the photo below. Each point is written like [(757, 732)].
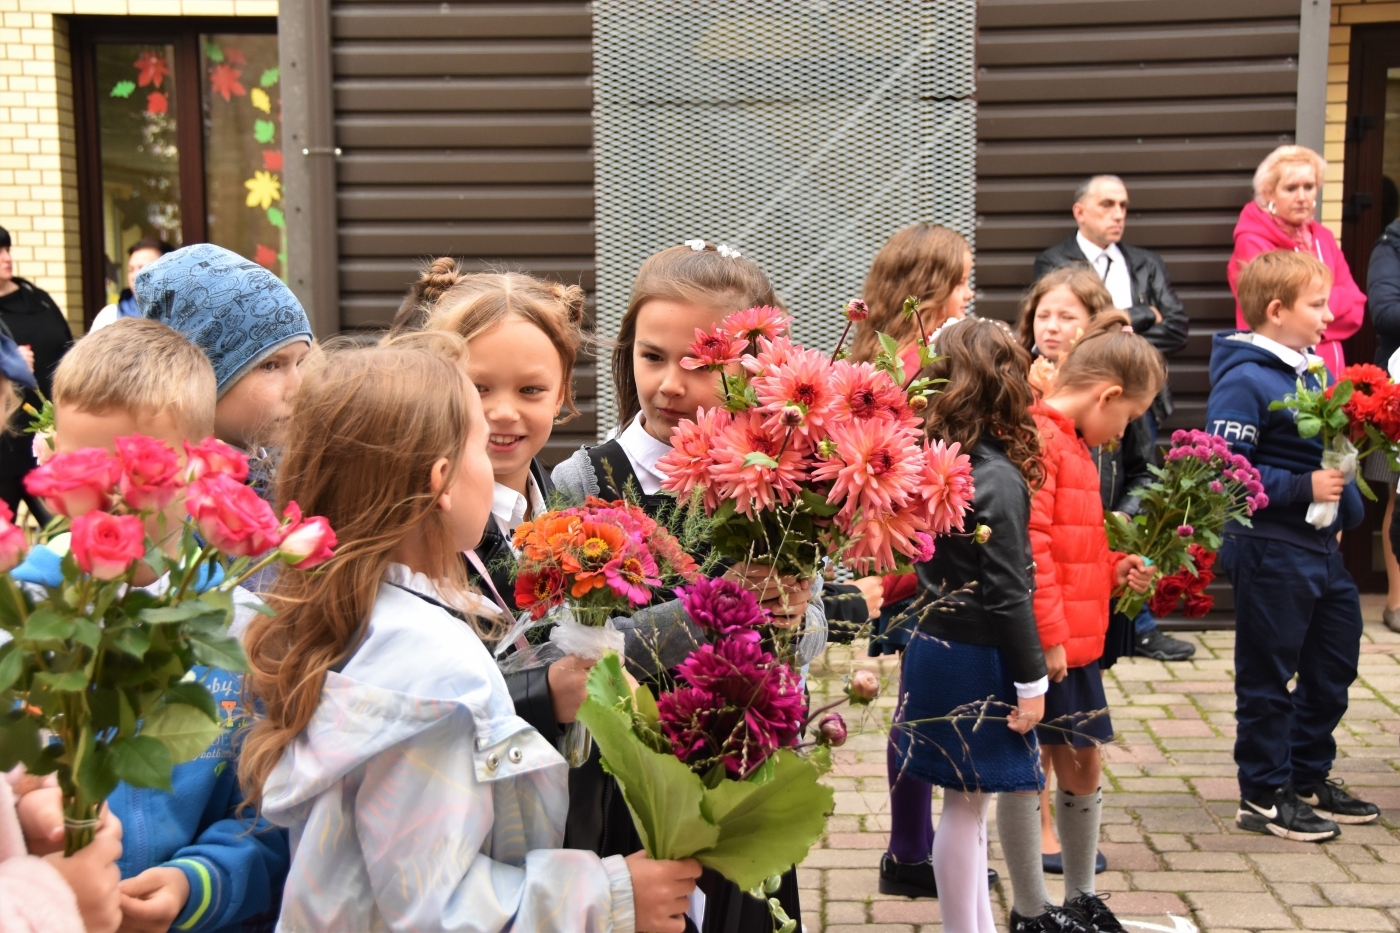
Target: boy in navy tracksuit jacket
[(1296, 607)]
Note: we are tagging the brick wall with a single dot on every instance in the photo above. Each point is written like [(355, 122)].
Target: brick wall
[(38, 162), (1345, 13)]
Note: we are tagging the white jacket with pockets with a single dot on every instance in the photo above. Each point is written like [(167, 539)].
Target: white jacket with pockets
[(418, 801)]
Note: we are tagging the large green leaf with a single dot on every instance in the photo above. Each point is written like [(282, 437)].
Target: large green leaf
[(219, 651), (183, 729), (187, 611), (47, 625), (662, 793), (141, 761), (195, 694), (11, 664), (768, 823)]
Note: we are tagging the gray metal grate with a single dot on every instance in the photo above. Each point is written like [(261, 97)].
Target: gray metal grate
[(802, 134)]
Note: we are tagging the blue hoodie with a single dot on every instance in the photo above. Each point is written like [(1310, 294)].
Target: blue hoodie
[(236, 867), (1245, 379)]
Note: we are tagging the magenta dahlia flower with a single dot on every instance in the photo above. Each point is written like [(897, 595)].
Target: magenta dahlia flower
[(721, 606)]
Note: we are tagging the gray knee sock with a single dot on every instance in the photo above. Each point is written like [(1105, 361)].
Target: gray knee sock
[(1018, 828), (1077, 820)]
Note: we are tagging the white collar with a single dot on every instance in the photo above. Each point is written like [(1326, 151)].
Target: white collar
[(1092, 251), (643, 451), (509, 507), (1299, 362)]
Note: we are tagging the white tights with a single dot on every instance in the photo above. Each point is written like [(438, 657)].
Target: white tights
[(960, 863)]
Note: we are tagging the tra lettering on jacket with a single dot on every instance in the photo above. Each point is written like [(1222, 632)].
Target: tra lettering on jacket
[(1235, 431)]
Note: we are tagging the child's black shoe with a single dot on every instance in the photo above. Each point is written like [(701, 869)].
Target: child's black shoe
[(1093, 909), (903, 880), (1282, 814), (1331, 801), (1054, 920)]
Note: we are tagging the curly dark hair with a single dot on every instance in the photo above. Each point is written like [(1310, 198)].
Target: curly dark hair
[(986, 395)]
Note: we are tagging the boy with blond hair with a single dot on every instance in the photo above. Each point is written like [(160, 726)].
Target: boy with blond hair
[(1297, 611), (191, 859)]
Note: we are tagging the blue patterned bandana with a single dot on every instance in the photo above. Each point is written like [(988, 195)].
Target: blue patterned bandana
[(236, 311)]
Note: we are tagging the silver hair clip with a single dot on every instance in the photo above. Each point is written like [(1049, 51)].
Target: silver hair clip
[(697, 245), (728, 252)]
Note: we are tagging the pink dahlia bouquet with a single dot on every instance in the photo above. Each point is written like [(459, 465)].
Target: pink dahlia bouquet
[(1200, 487), (716, 768), (812, 455), (128, 600)]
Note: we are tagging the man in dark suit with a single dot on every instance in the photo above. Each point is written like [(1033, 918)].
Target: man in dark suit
[(1136, 277)]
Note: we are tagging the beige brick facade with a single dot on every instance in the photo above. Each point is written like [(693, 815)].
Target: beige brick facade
[(38, 159), (1345, 14)]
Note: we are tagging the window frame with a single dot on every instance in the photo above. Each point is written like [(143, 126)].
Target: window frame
[(183, 32)]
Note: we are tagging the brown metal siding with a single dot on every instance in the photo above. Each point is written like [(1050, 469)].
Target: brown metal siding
[(1182, 98), (465, 129)]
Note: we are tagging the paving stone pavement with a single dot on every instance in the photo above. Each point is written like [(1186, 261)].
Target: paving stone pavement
[(1169, 803)]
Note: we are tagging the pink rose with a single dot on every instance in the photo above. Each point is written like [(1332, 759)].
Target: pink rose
[(42, 447), (106, 545), (150, 473), (214, 456), (864, 687), (308, 543), (231, 516), (76, 483), (12, 543)]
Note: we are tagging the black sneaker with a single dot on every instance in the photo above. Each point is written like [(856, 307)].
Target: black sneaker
[(1054, 920), (1282, 814), (1330, 800), (1093, 909), (1159, 645), (914, 880)]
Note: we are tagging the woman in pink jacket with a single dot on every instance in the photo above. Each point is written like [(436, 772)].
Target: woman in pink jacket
[(1286, 186)]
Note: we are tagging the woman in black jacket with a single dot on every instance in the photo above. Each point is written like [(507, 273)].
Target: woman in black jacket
[(34, 321)]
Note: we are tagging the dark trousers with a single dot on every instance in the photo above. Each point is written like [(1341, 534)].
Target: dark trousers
[(1296, 612)]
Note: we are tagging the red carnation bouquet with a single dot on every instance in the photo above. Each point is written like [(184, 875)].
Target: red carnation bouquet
[(1355, 417), (99, 677), (716, 767), (1186, 588), (813, 456), (1200, 487)]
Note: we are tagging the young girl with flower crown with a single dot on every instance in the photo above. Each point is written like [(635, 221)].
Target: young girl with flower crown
[(415, 795), (976, 653), (677, 292), (1109, 377)]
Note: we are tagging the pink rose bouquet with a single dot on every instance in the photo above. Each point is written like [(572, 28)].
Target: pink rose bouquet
[(93, 673), (812, 455)]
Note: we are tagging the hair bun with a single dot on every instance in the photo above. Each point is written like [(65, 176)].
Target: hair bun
[(574, 299), (440, 275)]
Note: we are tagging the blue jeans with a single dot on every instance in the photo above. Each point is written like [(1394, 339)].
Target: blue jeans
[(1143, 622), (1296, 612)]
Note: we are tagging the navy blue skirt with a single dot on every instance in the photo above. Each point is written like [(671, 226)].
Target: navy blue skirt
[(959, 684), (1076, 710)]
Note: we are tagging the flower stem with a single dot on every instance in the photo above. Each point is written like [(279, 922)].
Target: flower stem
[(842, 342)]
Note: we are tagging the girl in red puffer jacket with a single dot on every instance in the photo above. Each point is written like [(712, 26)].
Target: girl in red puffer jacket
[(1109, 378)]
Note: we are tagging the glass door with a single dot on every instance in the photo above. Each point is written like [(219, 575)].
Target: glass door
[(179, 132)]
